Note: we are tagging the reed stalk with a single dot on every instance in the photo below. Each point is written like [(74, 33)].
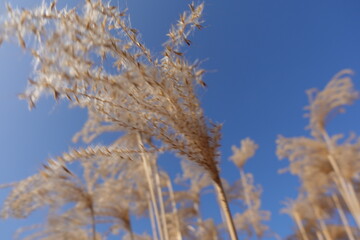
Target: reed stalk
[(174, 209), (345, 188), (93, 224), (225, 209), (152, 219), (161, 202), (323, 228), (246, 193), (299, 225), (147, 170), (343, 217)]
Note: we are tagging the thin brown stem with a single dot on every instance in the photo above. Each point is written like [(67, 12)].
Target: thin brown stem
[(93, 226), (225, 209)]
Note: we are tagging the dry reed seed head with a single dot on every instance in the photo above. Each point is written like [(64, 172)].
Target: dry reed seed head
[(106, 161), (310, 208), (56, 186), (298, 207), (311, 211), (250, 223), (347, 155), (330, 101), (253, 191), (339, 232), (308, 160), (247, 150), (25, 197), (233, 191), (40, 190), (207, 230), (74, 44), (184, 224), (322, 205), (302, 151), (59, 227), (135, 236), (155, 99), (188, 21), (245, 191), (198, 178)]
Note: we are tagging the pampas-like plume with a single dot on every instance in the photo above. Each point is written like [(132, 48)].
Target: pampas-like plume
[(327, 169), (102, 195), (153, 97), (331, 100), (251, 220)]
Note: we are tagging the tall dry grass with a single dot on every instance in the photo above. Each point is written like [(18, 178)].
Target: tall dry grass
[(153, 102), (327, 166)]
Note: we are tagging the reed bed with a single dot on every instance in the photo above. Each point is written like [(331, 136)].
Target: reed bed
[(153, 103)]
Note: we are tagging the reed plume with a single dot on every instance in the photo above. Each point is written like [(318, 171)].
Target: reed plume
[(152, 97), (327, 165), (251, 220)]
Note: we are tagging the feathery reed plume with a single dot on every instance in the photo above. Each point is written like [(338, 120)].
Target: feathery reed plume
[(241, 155), (60, 227), (330, 101), (327, 169), (101, 196), (55, 186), (251, 220), (153, 97)]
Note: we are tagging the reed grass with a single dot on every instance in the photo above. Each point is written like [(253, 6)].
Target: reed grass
[(153, 102)]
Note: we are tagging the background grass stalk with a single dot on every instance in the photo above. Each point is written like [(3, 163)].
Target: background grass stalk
[(343, 185), (246, 192), (319, 236), (323, 227), (343, 217), (174, 209), (145, 161), (152, 219), (300, 225), (161, 201)]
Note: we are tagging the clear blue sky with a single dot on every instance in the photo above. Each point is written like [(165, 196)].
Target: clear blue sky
[(261, 55)]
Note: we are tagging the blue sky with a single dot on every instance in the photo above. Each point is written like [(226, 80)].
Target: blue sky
[(261, 56)]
